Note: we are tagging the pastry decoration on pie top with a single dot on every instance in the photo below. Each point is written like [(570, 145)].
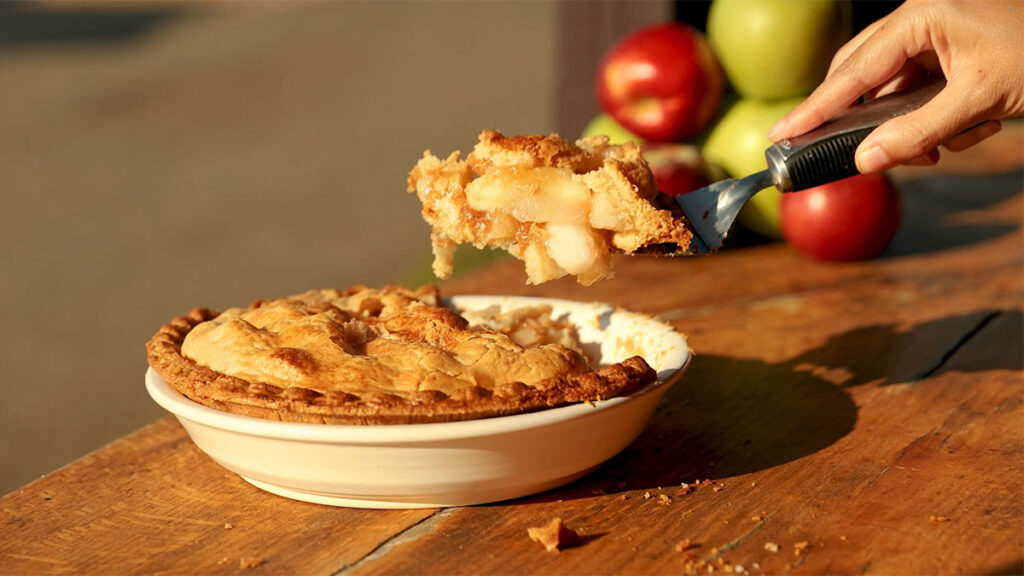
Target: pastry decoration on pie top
[(381, 356), (560, 207)]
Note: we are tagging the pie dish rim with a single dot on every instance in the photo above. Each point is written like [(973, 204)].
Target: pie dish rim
[(227, 393), (179, 404)]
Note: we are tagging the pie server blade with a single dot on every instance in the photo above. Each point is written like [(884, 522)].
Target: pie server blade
[(818, 157)]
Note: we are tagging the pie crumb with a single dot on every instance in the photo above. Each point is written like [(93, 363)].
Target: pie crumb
[(249, 563), (555, 536), (685, 544), (935, 519), (771, 547), (801, 548)]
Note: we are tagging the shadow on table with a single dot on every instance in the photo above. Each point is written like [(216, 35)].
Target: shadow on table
[(932, 206), (1015, 569), (733, 416)]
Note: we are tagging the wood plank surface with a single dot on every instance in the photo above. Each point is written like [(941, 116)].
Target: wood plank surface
[(152, 503), (837, 418)]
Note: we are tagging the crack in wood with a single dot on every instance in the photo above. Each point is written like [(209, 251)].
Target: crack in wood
[(412, 532), (932, 370)]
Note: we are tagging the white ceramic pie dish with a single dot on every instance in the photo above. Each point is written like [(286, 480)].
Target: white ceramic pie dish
[(449, 463)]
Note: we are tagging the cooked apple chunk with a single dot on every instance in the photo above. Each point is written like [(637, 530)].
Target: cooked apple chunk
[(560, 207)]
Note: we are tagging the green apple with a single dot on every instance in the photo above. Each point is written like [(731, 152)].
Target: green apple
[(777, 48), (605, 124), (737, 143)]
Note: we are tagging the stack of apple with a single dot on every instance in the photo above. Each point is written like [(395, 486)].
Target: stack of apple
[(700, 107)]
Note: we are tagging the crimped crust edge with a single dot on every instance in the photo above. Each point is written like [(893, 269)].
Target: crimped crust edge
[(296, 404)]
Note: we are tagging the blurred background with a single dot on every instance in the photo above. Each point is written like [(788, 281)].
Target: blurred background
[(164, 155), (158, 156)]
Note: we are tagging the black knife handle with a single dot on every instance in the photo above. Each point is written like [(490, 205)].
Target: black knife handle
[(825, 154)]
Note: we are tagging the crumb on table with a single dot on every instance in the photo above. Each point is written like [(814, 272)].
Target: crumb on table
[(801, 548), (249, 563), (555, 536)]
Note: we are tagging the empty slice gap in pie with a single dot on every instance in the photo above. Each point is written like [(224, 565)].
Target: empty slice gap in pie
[(382, 356), (562, 208)]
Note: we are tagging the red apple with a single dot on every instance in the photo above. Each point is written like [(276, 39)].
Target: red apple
[(677, 168), (852, 219), (662, 83)]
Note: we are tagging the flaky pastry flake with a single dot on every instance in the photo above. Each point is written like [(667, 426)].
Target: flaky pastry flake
[(554, 536)]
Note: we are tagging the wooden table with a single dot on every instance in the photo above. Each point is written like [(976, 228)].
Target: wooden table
[(837, 418)]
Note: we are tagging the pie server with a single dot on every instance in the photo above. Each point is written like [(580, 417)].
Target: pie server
[(822, 155)]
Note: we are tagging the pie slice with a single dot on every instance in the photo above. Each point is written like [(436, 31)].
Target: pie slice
[(381, 356), (560, 207)]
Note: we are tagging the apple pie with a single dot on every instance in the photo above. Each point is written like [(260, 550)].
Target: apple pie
[(562, 208), (381, 356)]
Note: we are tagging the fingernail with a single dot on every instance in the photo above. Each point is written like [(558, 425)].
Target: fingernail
[(874, 159), (776, 129)]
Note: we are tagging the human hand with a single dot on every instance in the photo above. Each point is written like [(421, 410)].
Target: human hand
[(977, 45)]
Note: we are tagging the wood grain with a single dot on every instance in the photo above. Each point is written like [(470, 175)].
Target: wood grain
[(858, 418), (837, 418), (152, 503)]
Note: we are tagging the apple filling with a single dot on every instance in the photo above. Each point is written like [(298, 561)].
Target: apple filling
[(561, 208)]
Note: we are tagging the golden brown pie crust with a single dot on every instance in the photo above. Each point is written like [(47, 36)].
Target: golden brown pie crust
[(372, 356)]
